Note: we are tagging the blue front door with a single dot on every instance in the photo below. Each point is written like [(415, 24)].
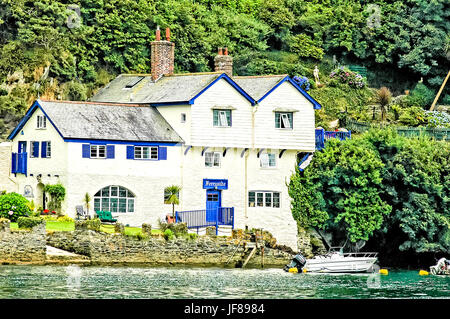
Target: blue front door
[(213, 202)]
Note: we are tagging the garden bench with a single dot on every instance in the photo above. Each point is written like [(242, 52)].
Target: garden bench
[(105, 216)]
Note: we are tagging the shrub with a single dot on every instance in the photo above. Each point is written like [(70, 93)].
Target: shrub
[(345, 76), (13, 206), (412, 116), (29, 222), (437, 119), (168, 234), (193, 236), (303, 82), (64, 218), (92, 224), (421, 96)]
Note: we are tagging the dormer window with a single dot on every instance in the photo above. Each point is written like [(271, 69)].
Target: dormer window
[(41, 122), (222, 118), (283, 120)]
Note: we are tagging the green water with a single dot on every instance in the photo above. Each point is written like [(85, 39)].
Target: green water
[(52, 282)]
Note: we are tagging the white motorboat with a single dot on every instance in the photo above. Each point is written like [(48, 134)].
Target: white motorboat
[(441, 268), (335, 262)]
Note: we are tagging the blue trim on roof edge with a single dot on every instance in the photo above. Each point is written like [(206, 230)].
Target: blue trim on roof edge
[(231, 82), (316, 104), (171, 103), (27, 116)]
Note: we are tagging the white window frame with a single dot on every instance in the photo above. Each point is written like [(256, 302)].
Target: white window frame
[(284, 119), (223, 121), (32, 148), (264, 195), (94, 151), (152, 152), (41, 122), (130, 199), (48, 151), (264, 160), (214, 159)]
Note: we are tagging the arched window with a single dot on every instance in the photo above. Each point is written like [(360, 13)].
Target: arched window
[(115, 199)]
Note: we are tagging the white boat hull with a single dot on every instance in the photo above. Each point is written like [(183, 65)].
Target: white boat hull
[(340, 264)]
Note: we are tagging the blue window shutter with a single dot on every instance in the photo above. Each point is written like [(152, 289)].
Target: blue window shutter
[(162, 153), (109, 151), (130, 152), (86, 151), (14, 163), (35, 149), (43, 149)]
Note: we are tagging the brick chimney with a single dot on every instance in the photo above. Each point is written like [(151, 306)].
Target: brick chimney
[(223, 62), (162, 55)]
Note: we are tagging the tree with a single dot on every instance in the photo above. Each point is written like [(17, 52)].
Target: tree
[(171, 196), (340, 191)]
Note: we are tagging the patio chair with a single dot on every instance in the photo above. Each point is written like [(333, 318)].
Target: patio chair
[(81, 213)]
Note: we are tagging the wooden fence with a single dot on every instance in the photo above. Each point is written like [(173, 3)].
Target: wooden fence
[(437, 133)]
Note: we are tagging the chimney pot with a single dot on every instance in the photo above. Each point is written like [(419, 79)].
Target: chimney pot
[(162, 56), (223, 62), (168, 34), (219, 51), (158, 34)]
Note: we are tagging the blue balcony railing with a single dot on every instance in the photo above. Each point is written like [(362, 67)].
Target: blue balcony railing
[(19, 163), (322, 136), (206, 217)]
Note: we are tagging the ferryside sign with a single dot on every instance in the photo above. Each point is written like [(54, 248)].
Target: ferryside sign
[(215, 184)]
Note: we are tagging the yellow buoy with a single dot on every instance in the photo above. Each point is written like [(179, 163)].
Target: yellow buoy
[(304, 270), (384, 271), (293, 270), (423, 273)]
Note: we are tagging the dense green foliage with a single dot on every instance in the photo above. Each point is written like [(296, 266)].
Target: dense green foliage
[(46, 49), (13, 206), (351, 186), (340, 190), (29, 222)]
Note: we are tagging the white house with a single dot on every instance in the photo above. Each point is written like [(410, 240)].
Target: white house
[(231, 143)]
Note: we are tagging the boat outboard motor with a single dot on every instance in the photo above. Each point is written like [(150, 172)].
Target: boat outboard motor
[(298, 262)]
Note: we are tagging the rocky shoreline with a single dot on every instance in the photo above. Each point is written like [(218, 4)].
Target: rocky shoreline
[(84, 246)]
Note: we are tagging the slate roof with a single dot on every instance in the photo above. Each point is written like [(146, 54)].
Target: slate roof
[(184, 88), (258, 86), (174, 88), (109, 121)]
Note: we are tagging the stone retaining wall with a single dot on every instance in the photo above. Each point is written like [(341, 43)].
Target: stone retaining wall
[(22, 246), (103, 248)]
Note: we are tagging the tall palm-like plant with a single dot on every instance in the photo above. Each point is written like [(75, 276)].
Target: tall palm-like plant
[(87, 201), (171, 196), (384, 97)]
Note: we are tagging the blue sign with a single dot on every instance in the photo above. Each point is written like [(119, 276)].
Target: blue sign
[(215, 184)]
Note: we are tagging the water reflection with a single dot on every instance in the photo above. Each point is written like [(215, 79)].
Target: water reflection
[(135, 282)]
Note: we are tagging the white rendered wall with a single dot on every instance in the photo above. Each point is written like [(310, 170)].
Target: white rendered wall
[(221, 94), (278, 221), (301, 137), (172, 114)]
